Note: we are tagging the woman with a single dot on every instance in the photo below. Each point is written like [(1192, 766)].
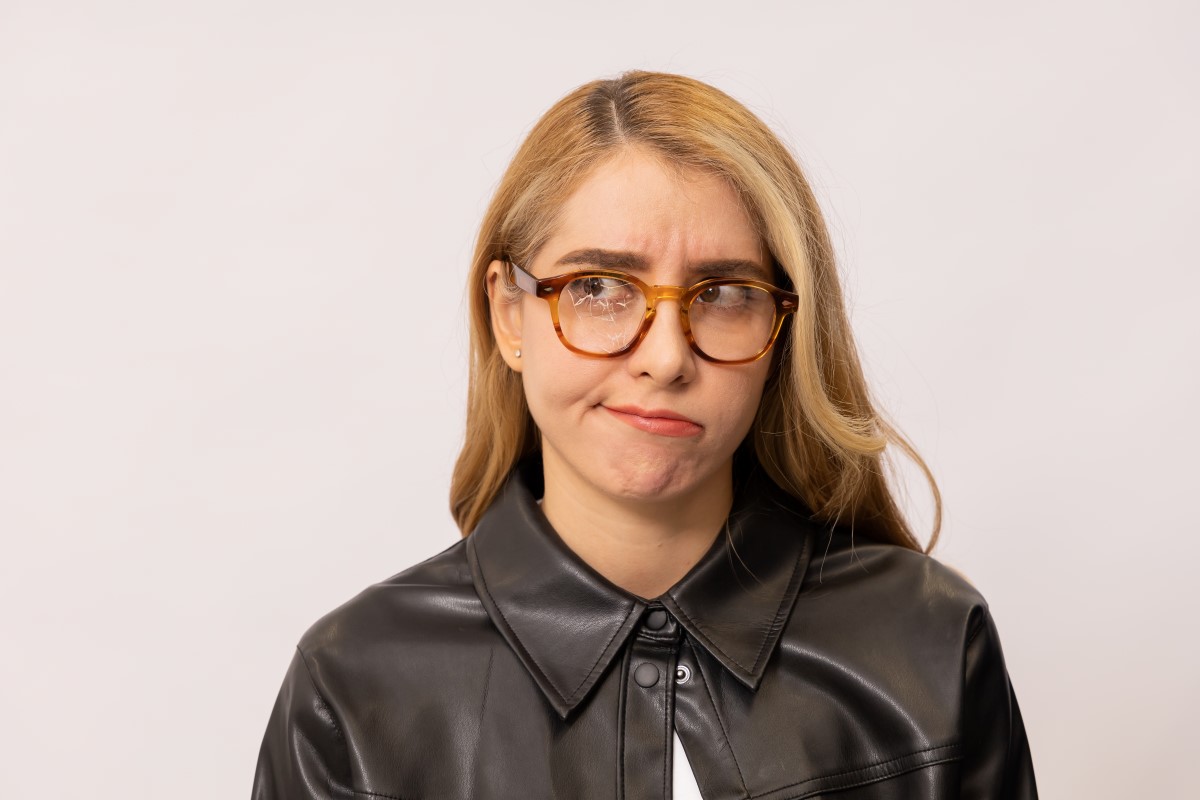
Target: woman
[(682, 572)]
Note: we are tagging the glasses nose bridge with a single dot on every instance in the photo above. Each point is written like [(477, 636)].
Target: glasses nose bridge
[(662, 291), (657, 293)]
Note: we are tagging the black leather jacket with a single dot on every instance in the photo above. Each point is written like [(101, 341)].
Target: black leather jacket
[(506, 667)]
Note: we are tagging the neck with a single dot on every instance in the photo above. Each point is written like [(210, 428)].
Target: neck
[(643, 546)]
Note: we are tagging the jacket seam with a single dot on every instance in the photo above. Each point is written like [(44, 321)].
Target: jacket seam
[(984, 619), (978, 626), (933, 762), (487, 683), (569, 699), (721, 722), (337, 725), (951, 755), (668, 726), (622, 710)]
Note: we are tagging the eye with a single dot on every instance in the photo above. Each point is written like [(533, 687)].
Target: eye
[(724, 295), (595, 285), (599, 287)]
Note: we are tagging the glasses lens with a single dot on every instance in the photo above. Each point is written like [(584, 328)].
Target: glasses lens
[(600, 314), (732, 322)]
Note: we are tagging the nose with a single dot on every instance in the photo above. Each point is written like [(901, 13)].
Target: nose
[(664, 354)]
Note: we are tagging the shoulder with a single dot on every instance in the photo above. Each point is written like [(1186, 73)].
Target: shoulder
[(423, 603), (889, 591)]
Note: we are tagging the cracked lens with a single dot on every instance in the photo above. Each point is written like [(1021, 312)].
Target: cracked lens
[(604, 313)]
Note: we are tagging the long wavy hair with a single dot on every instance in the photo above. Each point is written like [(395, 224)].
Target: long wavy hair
[(816, 433)]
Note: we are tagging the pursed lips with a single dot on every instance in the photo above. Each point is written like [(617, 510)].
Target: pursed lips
[(662, 422)]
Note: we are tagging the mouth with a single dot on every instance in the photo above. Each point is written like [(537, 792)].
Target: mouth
[(662, 422)]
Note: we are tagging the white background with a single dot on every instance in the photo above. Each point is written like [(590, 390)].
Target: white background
[(233, 243)]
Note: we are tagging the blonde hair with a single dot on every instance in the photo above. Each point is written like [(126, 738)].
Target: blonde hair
[(816, 432)]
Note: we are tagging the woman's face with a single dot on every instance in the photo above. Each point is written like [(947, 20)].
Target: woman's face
[(594, 413)]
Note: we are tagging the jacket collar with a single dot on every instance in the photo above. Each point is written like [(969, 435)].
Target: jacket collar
[(566, 622)]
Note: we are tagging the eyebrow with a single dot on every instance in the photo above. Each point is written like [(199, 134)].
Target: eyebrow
[(636, 262)]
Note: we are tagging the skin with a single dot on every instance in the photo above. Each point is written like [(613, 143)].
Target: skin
[(639, 507)]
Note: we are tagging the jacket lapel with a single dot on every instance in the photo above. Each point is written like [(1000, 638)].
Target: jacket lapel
[(566, 622), (736, 600)]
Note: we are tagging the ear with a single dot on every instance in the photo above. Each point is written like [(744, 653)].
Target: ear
[(505, 314)]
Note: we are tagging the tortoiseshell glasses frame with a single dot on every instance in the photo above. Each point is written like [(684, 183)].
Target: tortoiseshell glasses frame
[(550, 289)]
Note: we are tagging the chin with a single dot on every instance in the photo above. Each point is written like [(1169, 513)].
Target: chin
[(650, 478)]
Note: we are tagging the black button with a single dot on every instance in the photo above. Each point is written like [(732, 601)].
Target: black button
[(646, 675), (656, 619)]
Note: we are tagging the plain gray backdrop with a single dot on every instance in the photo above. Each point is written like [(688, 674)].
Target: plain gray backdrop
[(233, 244)]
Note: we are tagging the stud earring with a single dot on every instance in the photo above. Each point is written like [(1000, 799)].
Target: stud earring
[(518, 354)]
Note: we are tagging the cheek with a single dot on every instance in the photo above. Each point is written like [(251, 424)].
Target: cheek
[(739, 396), (559, 385)]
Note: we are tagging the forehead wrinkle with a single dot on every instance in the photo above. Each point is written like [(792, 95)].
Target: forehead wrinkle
[(636, 262), (634, 213), (605, 259)]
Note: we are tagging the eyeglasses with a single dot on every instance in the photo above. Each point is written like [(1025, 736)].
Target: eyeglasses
[(607, 313)]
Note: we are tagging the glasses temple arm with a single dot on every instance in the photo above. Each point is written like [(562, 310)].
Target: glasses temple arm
[(524, 280)]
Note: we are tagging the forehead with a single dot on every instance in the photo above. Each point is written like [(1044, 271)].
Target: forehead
[(666, 215)]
